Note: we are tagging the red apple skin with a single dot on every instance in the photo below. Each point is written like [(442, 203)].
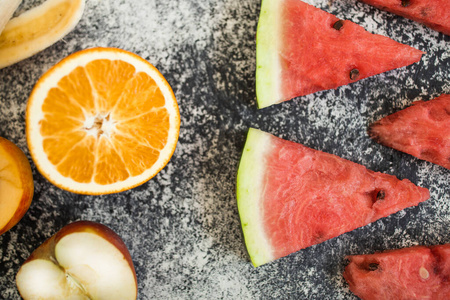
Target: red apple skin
[(26, 178), (47, 249)]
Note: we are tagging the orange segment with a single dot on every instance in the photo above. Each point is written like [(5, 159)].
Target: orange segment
[(140, 156), (77, 86), (57, 146), (108, 79), (58, 103), (151, 128), (141, 94), (109, 167), (101, 121), (79, 161)]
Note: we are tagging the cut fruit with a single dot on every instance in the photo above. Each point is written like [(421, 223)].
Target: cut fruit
[(16, 185), (84, 260), (301, 49), (291, 197), (434, 14), (37, 29), (101, 121), (422, 130), (411, 273), (7, 9)]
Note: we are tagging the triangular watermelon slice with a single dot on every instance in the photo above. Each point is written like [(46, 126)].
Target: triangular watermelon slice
[(434, 14), (291, 197), (411, 273), (422, 130), (301, 49)]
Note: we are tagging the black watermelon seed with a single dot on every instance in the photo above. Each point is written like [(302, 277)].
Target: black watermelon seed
[(405, 3), (380, 195), (338, 25), (354, 74), (373, 267)]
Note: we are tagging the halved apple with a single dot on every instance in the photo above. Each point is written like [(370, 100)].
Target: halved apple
[(84, 260), (16, 185)]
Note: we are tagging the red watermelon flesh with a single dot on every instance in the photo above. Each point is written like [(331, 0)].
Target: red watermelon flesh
[(422, 130), (312, 44), (411, 273), (317, 51), (301, 196), (434, 14)]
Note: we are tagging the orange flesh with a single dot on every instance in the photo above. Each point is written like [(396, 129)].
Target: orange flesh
[(104, 123)]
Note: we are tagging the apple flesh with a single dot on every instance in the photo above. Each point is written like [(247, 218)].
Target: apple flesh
[(16, 185), (84, 260)]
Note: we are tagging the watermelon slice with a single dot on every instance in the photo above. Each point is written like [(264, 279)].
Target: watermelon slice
[(412, 273), (301, 49), (291, 196), (434, 14), (422, 130)]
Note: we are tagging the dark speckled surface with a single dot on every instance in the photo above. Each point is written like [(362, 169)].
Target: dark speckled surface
[(182, 227)]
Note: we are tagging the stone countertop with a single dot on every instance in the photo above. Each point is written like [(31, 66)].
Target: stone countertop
[(182, 227)]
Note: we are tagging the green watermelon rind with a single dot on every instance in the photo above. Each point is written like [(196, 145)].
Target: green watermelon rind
[(268, 70), (249, 192)]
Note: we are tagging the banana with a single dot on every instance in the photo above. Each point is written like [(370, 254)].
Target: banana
[(7, 9), (37, 29)]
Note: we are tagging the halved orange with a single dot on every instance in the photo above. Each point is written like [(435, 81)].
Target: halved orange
[(101, 121)]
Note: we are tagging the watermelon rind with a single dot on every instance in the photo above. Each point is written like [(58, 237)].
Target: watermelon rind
[(268, 70), (249, 191)]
